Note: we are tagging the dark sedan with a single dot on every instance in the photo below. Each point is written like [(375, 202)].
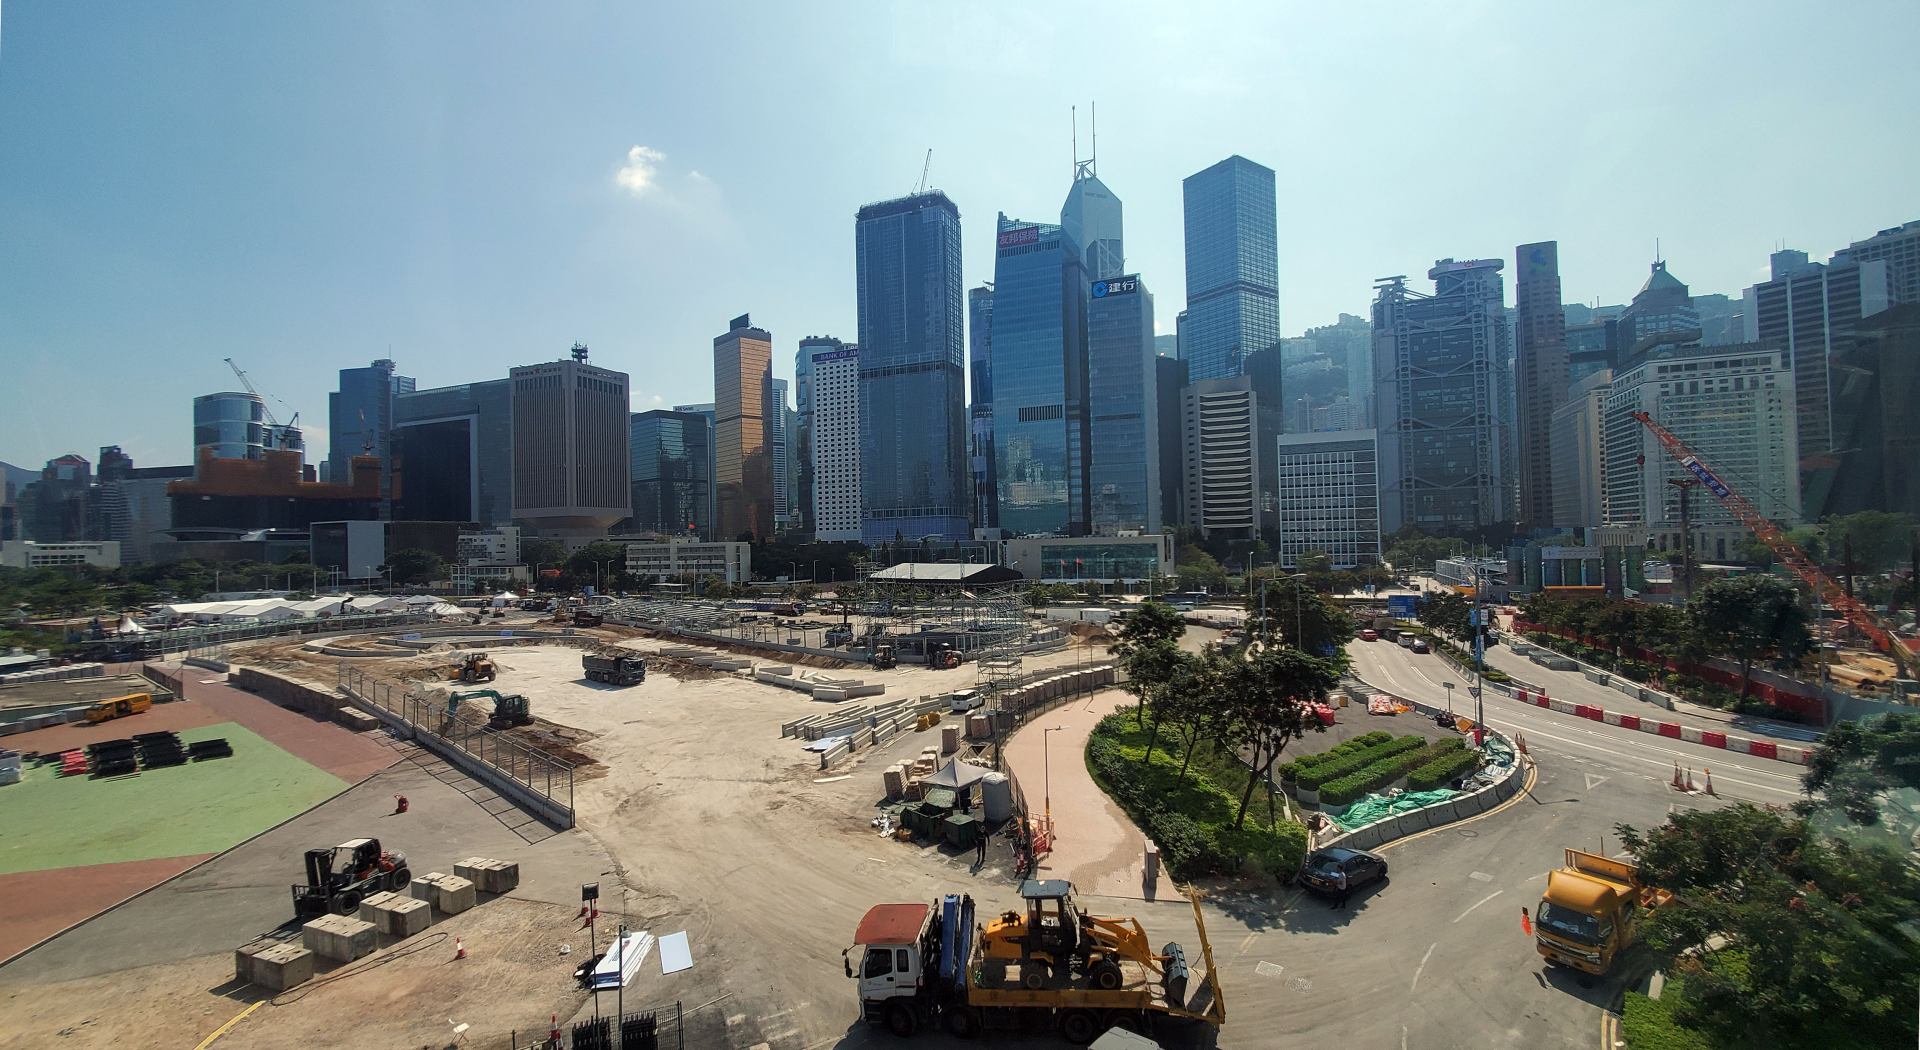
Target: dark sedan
[(1323, 869)]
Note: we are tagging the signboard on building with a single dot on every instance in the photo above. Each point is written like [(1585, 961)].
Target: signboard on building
[(1018, 236), (1116, 286), (1404, 606)]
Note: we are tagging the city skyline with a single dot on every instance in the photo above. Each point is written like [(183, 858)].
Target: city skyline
[(416, 220)]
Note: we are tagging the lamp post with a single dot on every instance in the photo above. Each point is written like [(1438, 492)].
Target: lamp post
[(1046, 766)]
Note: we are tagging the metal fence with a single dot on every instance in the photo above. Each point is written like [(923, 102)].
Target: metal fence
[(652, 1028), (206, 641), (467, 733)]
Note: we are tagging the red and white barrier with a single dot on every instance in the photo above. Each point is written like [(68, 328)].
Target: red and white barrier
[(1671, 730)]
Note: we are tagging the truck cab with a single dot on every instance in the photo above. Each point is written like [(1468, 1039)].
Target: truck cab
[(891, 950), (1592, 911)]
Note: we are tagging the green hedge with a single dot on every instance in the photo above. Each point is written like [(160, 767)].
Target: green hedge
[(1289, 771), (1385, 771), (1312, 779), (1442, 770)]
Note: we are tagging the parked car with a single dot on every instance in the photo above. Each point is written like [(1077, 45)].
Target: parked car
[(1420, 645), (1321, 873), (1369, 635)]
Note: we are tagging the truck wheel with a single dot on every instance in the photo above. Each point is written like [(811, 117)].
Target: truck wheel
[(1106, 975), (1033, 975), (963, 1022), (900, 1020), (346, 902), (1079, 1027), (398, 878)]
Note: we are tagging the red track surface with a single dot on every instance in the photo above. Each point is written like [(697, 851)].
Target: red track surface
[(162, 718), (37, 904), (351, 756)]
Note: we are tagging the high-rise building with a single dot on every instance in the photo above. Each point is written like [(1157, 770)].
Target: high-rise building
[(1123, 409), (1731, 404), (780, 456), (1899, 248), (231, 424), (713, 429), (1221, 457), (986, 500), (1233, 267), (1167, 346), (669, 453), (913, 388), (1877, 415), (1169, 378), (802, 440), (1436, 363), (835, 386), (1180, 335), (1091, 217), (1661, 314), (1329, 493), (1809, 311), (129, 506), (1347, 345), (451, 454), (570, 434), (743, 468), (360, 417), (1577, 445), (54, 509), (1040, 293), (1540, 373), (1592, 346)]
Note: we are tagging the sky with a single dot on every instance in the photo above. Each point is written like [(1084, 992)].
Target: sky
[(467, 187)]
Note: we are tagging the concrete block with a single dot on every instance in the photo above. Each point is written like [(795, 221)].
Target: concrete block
[(338, 938), (370, 903), (282, 966), (403, 916), (243, 957), (355, 719), (454, 894), (425, 887)]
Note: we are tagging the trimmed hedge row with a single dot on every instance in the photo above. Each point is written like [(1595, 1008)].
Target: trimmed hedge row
[(1315, 777), (1289, 770), (1385, 771), (1442, 770)]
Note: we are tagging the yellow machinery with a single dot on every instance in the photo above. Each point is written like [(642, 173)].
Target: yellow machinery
[(1592, 911), (1055, 940), (473, 667), (119, 707)]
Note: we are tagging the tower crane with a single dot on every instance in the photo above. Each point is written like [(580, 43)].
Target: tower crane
[(1790, 555), (280, 432), (924, 168)]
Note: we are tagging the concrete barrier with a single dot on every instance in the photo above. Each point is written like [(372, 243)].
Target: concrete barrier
[(1629, 722), (1690, 734), (1712, 739), (1672, 729), (208, 663), (1763, 748)]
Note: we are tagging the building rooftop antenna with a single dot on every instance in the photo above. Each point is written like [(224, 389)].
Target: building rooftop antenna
[(580, 352)]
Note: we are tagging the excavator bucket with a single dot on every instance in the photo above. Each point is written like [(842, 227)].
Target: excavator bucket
[(1176, 974)]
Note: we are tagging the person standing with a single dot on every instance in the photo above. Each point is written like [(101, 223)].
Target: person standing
[(980, 849), (1340, 889)]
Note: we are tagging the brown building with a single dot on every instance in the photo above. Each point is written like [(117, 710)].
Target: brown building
[(1540, 374), (742, 388), (271, 492)]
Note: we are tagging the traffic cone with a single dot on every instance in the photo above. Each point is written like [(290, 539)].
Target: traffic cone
[(1520, 741), (553, 1031), (1678, 785), (1526, 924), (1690, 786), (1709, 788), (459, 948)]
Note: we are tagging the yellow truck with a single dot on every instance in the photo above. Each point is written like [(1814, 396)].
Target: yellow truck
[(119, 707), (1592, 911)]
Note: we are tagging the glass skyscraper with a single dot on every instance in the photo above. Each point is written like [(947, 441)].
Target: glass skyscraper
[(913, 446), (1122, 408), (361, 413), (1040, 291), (1233, 268), (1091, 216), (670, 452), (986, 502)]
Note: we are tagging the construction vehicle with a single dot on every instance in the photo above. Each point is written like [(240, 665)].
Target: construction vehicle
[(337, 878), (508, 710), (1592, 911), (119, 707), (883, 658), (473, 667), (942, 656), (922, 965), (583, 618), (1784, 550), (838, 636), (618, 667)]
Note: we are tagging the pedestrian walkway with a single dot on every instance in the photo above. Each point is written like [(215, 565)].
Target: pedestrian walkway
[(1095, 846)]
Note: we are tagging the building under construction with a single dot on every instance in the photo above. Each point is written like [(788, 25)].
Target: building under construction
[(974, 609)]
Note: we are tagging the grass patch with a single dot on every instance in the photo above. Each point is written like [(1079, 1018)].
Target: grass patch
[(1191, 818), (1650, 1024)]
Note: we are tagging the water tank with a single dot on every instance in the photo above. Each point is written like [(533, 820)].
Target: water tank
[(996, 795)]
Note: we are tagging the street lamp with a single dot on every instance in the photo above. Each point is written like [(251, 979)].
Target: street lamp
[(1046, 765)]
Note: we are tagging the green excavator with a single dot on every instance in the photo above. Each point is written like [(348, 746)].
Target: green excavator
[(508, 710)]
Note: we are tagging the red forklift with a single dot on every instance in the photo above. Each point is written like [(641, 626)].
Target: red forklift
[(339, 877)]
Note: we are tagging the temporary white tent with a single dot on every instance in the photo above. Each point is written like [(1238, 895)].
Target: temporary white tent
[(127, 626)]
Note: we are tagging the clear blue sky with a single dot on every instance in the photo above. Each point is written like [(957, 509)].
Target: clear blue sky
[(310, 186)]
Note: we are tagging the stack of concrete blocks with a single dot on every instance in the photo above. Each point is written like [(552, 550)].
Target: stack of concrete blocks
[(397, 915), (491, 876), (979, 727), (339, 938), (451, 894), (273, 965), (949, 738), (896, 779)]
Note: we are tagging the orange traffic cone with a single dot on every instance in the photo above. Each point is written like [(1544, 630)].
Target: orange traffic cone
[(1678, 784), (553, 1030), (1526, 924), (1709, 788), (1520, 741), (1690, 786), (459, 948)]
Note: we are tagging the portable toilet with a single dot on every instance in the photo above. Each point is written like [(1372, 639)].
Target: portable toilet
[(996, 796)]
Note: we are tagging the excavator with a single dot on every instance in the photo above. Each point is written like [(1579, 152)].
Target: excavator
[(473, 667), (1056, 942), (508, 711)]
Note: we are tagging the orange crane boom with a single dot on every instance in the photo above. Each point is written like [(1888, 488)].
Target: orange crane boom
[(1783, 548)]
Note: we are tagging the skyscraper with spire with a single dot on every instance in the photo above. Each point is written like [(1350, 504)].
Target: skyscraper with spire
[(1091, 216)]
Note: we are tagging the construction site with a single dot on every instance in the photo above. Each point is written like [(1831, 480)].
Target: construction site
[(734, 798)]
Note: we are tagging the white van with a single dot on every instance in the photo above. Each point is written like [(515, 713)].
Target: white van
[(966, 700)]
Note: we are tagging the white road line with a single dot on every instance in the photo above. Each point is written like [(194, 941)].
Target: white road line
[(1422, 966), (1662, 763), (1477, 903)]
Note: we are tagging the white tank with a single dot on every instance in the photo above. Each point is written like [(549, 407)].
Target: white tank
[(996, 796)]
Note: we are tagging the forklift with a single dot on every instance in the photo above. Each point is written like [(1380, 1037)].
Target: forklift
[(883, 658), (508, 711), (942, 656), (339, 877)]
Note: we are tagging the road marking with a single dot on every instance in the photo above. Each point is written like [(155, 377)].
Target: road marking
[(1592, 781), (1422, 966), (1480, 876), (1533, 777), (1477, 903), (1267, 969), (1248, 943), (1665, 763), (829, 780), (225, 1028)]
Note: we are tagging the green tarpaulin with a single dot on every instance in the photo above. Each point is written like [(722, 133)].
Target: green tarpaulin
[(1377, 807)]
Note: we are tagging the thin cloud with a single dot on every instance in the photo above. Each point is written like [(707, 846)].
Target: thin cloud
[(638, 175)]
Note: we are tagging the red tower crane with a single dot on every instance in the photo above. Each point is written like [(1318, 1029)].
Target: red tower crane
[(1783, 548)]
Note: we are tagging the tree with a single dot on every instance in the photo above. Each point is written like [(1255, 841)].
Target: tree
[(598, 561), (1859, 763), (1785, 939), (1141, 647), (1410, 551), (1447, 612), (539, 554), (1268, 700), (1198, 570), (1748, 618), (1299, 616), (413, 566), (1881, 540)]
